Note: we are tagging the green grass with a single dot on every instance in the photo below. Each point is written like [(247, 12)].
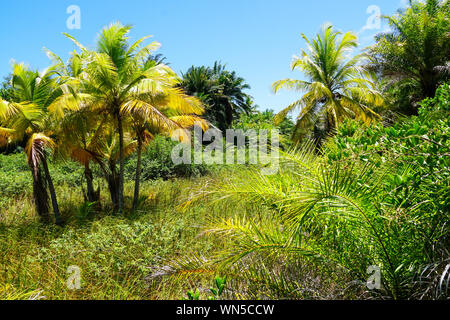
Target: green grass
[(116, 254)]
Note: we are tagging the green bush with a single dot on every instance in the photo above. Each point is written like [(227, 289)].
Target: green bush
[(266, 121), (417, 150), (15, 175), (376, 196), (157, 163), (66, 173)]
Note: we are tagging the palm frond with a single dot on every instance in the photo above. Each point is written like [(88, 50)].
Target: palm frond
[(35, 148)]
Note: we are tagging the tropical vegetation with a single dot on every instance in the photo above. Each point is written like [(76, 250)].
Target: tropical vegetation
[(358, 209)]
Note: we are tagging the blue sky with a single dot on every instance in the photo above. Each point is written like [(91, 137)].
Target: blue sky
[(256, 38)]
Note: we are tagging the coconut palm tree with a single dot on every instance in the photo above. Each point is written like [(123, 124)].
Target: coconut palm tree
[(78, 132), (106, 153), (171, 116), (145, 126), (121, 80), (232, 94), (79, 138), (28, 118), (337, 87)]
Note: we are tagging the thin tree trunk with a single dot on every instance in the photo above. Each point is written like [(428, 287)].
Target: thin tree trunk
[(40, 195), (90, 185), (328, 124), (138, 175), (229, 114), (58, 219), (110, 179), (122, 163), (113, 185)]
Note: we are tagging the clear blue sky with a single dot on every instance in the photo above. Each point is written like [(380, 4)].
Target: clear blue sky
[(257, 38)]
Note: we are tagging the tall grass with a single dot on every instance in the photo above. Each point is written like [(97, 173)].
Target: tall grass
[(116, 254)]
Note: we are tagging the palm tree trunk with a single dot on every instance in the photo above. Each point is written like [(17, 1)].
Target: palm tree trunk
[(113, 185), (138, 175), (40, 195), (110, 178), (121, 163), (51, 187), (90, 185), (229, 114), (328, 124)]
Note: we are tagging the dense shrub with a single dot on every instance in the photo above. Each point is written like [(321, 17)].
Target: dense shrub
[(157, 163), (265, 121), (375, 197), (15, 175), (417, 150)]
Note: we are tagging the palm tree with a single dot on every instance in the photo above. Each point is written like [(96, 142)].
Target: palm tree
[(29, 118), (336, 88), (145, 128), (117, 78), (171, 110), (232, 93), (220, 90), (413, 58), (78, 132), (79, 138), (106, 153), (87, 139)]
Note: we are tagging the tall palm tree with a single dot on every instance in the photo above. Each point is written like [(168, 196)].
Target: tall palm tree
[(77, 134), (232, 93), (29, 118), (170, 111), (337, 87), (119, 77)]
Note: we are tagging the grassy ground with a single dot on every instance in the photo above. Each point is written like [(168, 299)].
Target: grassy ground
[(116, 254)]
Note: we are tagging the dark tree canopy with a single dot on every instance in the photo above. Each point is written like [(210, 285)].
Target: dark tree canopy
[(221, 91)]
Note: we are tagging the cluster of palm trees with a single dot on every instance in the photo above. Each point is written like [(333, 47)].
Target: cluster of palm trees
[(221, 91), (107, 103), (99, 107)]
